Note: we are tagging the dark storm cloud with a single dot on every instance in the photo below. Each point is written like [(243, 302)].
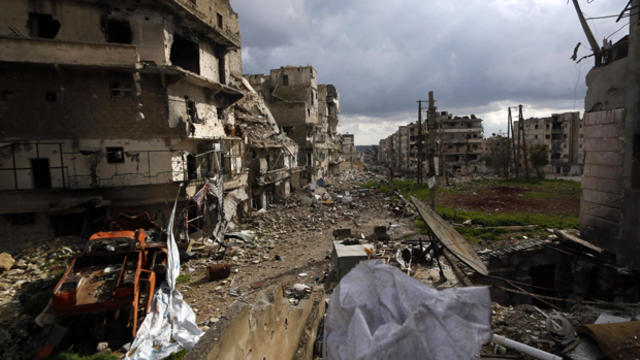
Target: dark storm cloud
[(383, 55)]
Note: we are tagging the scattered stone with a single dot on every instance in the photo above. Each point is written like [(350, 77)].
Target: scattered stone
[(6, 261), (102, 346)]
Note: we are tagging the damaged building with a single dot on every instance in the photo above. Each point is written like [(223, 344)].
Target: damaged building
[(271, 155), (110, 105), (459, 147), (610, 201), (562, 134), (307, 112)]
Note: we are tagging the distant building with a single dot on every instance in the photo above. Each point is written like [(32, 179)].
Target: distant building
[(459, 148), (460, 141), (562, 133)]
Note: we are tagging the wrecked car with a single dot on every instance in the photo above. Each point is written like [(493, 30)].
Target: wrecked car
[(116, 274)]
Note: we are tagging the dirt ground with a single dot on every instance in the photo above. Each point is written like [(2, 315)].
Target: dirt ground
[(293, 245), (512, 199)]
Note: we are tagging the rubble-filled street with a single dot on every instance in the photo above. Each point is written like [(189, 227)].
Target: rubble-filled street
[(236, 179)]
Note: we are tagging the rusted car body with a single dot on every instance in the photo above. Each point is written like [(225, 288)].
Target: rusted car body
[(116, 273)]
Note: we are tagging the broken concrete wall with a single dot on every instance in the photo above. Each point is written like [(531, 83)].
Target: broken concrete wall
[(81, 104), (205, 123), (270, 329), (611, 184), (89, 163), (81, 20)]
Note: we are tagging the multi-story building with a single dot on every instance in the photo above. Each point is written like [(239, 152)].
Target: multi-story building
[(403, 148), (291, 93), (562, 133), (460, 143), (103, 104), (414, 140), (308, 113), (459, 147)]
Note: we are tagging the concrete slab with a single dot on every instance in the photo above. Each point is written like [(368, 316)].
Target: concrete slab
[(346, 257)]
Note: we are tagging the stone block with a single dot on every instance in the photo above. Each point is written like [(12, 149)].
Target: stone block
[(346, 257), (602, 198), (602, 185), (600, 211), (609, 158), (603, 171)]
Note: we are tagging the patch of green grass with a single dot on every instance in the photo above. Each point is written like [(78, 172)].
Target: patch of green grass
[(184, 278), (72, 356), (177, 355), (508, 219)]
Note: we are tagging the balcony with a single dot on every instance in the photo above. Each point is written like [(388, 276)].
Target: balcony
[(45, 51), (273, 176)]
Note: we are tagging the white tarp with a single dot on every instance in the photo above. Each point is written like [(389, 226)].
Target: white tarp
[(378, 312), (170, 324)]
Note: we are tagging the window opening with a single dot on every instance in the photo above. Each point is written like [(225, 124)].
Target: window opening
[(118, 31), (43, 25), (185, 53), (115, 155)]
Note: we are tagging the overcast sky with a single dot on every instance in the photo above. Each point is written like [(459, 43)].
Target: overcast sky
[(478, 56)]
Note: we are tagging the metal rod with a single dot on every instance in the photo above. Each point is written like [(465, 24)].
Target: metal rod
[(523, 348)]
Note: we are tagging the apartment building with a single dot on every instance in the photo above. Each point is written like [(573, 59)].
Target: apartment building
[(563, 135), (459, 146)]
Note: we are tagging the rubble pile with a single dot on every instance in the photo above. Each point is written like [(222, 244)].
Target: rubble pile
[(26, 288)]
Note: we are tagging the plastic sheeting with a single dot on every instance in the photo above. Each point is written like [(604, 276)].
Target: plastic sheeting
[(378, 312), (170, 324)]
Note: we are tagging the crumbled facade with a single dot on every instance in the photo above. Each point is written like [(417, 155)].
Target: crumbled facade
[(308, 113), (459, 148), (610, 201), (106, 107), (460, 143), (562, 133), (271, 155)]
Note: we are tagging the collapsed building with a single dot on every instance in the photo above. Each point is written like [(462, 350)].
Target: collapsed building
[(271, 155), (563, 136), (308, 113), (459, 146)]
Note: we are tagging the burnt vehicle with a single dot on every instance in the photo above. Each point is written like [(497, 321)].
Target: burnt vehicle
[(115, 276)]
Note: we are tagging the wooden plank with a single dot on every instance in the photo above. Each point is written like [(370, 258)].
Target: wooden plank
[(450, 238), (589, 246)]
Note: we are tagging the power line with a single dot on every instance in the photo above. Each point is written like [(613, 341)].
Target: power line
[(613, 33)]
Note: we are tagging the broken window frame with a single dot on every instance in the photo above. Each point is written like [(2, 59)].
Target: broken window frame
[(121, 89), (220, 20)]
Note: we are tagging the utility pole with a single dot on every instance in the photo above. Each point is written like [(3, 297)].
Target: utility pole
[(431, 127), (524, 142), (587, 31), (420, 158), (516, 159)]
